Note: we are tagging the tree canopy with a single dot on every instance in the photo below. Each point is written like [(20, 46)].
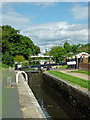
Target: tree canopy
[(59, 51), (13, 43)]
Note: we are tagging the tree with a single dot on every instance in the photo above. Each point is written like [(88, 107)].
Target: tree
[(75, 47), (7, 59), (37, 50), (19, 58), (84, 48), (67, 47), (57, 52), (14, 44)]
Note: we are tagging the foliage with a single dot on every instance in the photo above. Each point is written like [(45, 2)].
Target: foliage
[(7, 58), (57, 52), (70, 78), (84, 48), (19, 58), (67, 47), (68, 50), (64, 66), (25, 64), (5, 66), (13, 43), (74, 48)]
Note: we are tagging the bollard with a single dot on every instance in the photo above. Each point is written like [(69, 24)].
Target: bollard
[(8, 81), (39, 68), (48, 67)]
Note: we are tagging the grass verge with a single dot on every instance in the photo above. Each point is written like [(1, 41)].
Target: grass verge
[(81, 71), (70, 78), (64, 66)]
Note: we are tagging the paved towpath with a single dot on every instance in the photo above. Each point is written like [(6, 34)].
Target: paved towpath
[(10, 98), (80, 75)]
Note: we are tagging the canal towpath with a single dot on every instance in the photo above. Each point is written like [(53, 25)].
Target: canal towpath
[(79, 75), (18, 101), (10, 98)]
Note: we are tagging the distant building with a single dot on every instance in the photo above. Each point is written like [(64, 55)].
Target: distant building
[(79, 61), (41, 58), (83, 61), (44, 50)]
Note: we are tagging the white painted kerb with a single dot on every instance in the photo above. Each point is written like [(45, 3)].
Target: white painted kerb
[(19, 73)]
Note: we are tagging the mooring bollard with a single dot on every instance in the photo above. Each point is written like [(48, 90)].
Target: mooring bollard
[(48, 67), (8, 81)]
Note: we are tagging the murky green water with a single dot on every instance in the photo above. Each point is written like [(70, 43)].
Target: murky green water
[(52, 102)]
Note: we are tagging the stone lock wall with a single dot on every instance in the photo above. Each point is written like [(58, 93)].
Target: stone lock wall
[(77, 95)]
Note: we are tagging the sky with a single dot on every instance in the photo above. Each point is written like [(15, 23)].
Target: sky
[(48, 24)]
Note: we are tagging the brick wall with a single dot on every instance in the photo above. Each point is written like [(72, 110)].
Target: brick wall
[(84, 66)]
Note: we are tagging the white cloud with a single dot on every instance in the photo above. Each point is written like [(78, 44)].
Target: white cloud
[(45, 4), (14, 19), (50, 34), (80, 12)]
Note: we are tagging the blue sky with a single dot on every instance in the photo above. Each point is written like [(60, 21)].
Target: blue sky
[(48, 23)]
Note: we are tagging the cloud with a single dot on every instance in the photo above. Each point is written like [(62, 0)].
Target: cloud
[(80, 12), (10, 17), (45, 4), (50, 34)]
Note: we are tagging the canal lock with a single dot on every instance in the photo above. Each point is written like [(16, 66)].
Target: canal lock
[(55, 102)]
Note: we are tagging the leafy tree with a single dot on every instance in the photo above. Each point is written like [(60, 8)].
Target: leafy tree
[(75, 47), (14, 44), (67, 47), (57, 52), (7, 58), (37, 49), (19, 58), (84, 48)]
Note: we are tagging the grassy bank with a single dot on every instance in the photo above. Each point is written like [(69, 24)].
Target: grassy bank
[(70, 78), (81, 71)]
